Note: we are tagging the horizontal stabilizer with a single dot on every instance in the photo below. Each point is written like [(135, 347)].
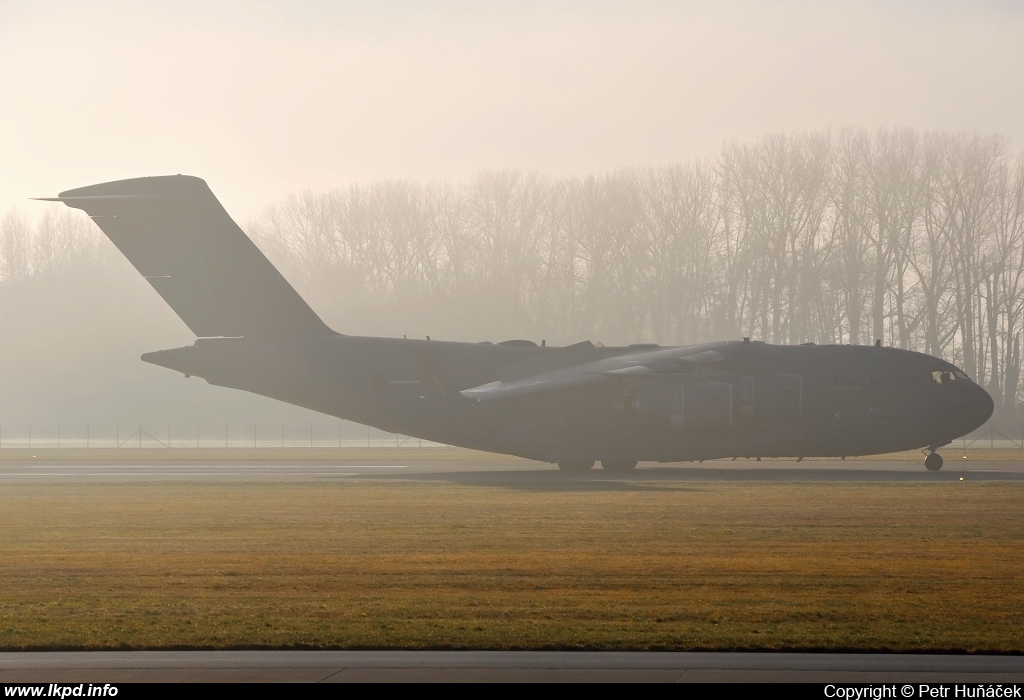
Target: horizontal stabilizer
[(176, 233)]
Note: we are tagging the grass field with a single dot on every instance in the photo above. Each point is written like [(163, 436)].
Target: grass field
[(559, 565)]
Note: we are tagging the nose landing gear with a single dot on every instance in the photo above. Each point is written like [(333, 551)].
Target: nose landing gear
[(933, 462)]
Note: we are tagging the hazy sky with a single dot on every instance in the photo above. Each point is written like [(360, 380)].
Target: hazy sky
[(263, 98)]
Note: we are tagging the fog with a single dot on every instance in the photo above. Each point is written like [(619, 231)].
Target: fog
[(496, 170), (829, 237), (266, 98)]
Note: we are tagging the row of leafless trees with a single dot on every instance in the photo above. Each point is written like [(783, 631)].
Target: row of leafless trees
[(836, 237), (60, 240), (916, 239)]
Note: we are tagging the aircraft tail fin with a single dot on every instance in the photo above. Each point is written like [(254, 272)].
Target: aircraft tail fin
[(176, 233)]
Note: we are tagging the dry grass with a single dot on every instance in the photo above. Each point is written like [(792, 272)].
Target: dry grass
[(570, 564)]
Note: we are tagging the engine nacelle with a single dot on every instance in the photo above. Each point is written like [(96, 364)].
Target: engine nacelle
[(769, 398), (713, 405), (696, 406)]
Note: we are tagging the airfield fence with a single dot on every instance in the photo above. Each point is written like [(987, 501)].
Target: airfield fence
[(309, 435), (198, 435)]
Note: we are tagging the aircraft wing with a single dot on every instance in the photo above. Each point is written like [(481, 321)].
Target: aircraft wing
[(515, 382)]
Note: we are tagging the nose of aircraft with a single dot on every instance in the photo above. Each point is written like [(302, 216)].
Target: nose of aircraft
[(977, 407)]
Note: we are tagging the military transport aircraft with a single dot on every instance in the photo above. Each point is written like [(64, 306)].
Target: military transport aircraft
[(570, 405)]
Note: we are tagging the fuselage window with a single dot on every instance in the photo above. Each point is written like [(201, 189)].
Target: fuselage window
[(943, 376)]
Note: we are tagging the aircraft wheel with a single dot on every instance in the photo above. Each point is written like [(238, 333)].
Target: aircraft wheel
[(618, 465), (576, 465), (933, 462)]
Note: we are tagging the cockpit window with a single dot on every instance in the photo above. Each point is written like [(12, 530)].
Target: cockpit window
[(944, 376), (960, 375)]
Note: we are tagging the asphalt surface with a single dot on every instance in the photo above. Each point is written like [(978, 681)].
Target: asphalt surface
[(492, 666), (513, 473)]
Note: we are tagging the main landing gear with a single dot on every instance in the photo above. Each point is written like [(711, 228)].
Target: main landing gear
[(618, 465), (933, 462), (576, 465)]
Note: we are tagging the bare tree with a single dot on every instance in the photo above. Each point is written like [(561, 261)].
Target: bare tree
[(15, 247), (846, 236)]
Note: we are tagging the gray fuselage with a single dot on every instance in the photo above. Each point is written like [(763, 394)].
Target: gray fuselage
[(757, 400)]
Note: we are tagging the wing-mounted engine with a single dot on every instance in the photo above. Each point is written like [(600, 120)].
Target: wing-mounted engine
[(716, 404), (768, 398), (702, 405), (694, 388)]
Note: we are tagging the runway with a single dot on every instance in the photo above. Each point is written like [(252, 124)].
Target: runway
[(497, 666), (510, 472)]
